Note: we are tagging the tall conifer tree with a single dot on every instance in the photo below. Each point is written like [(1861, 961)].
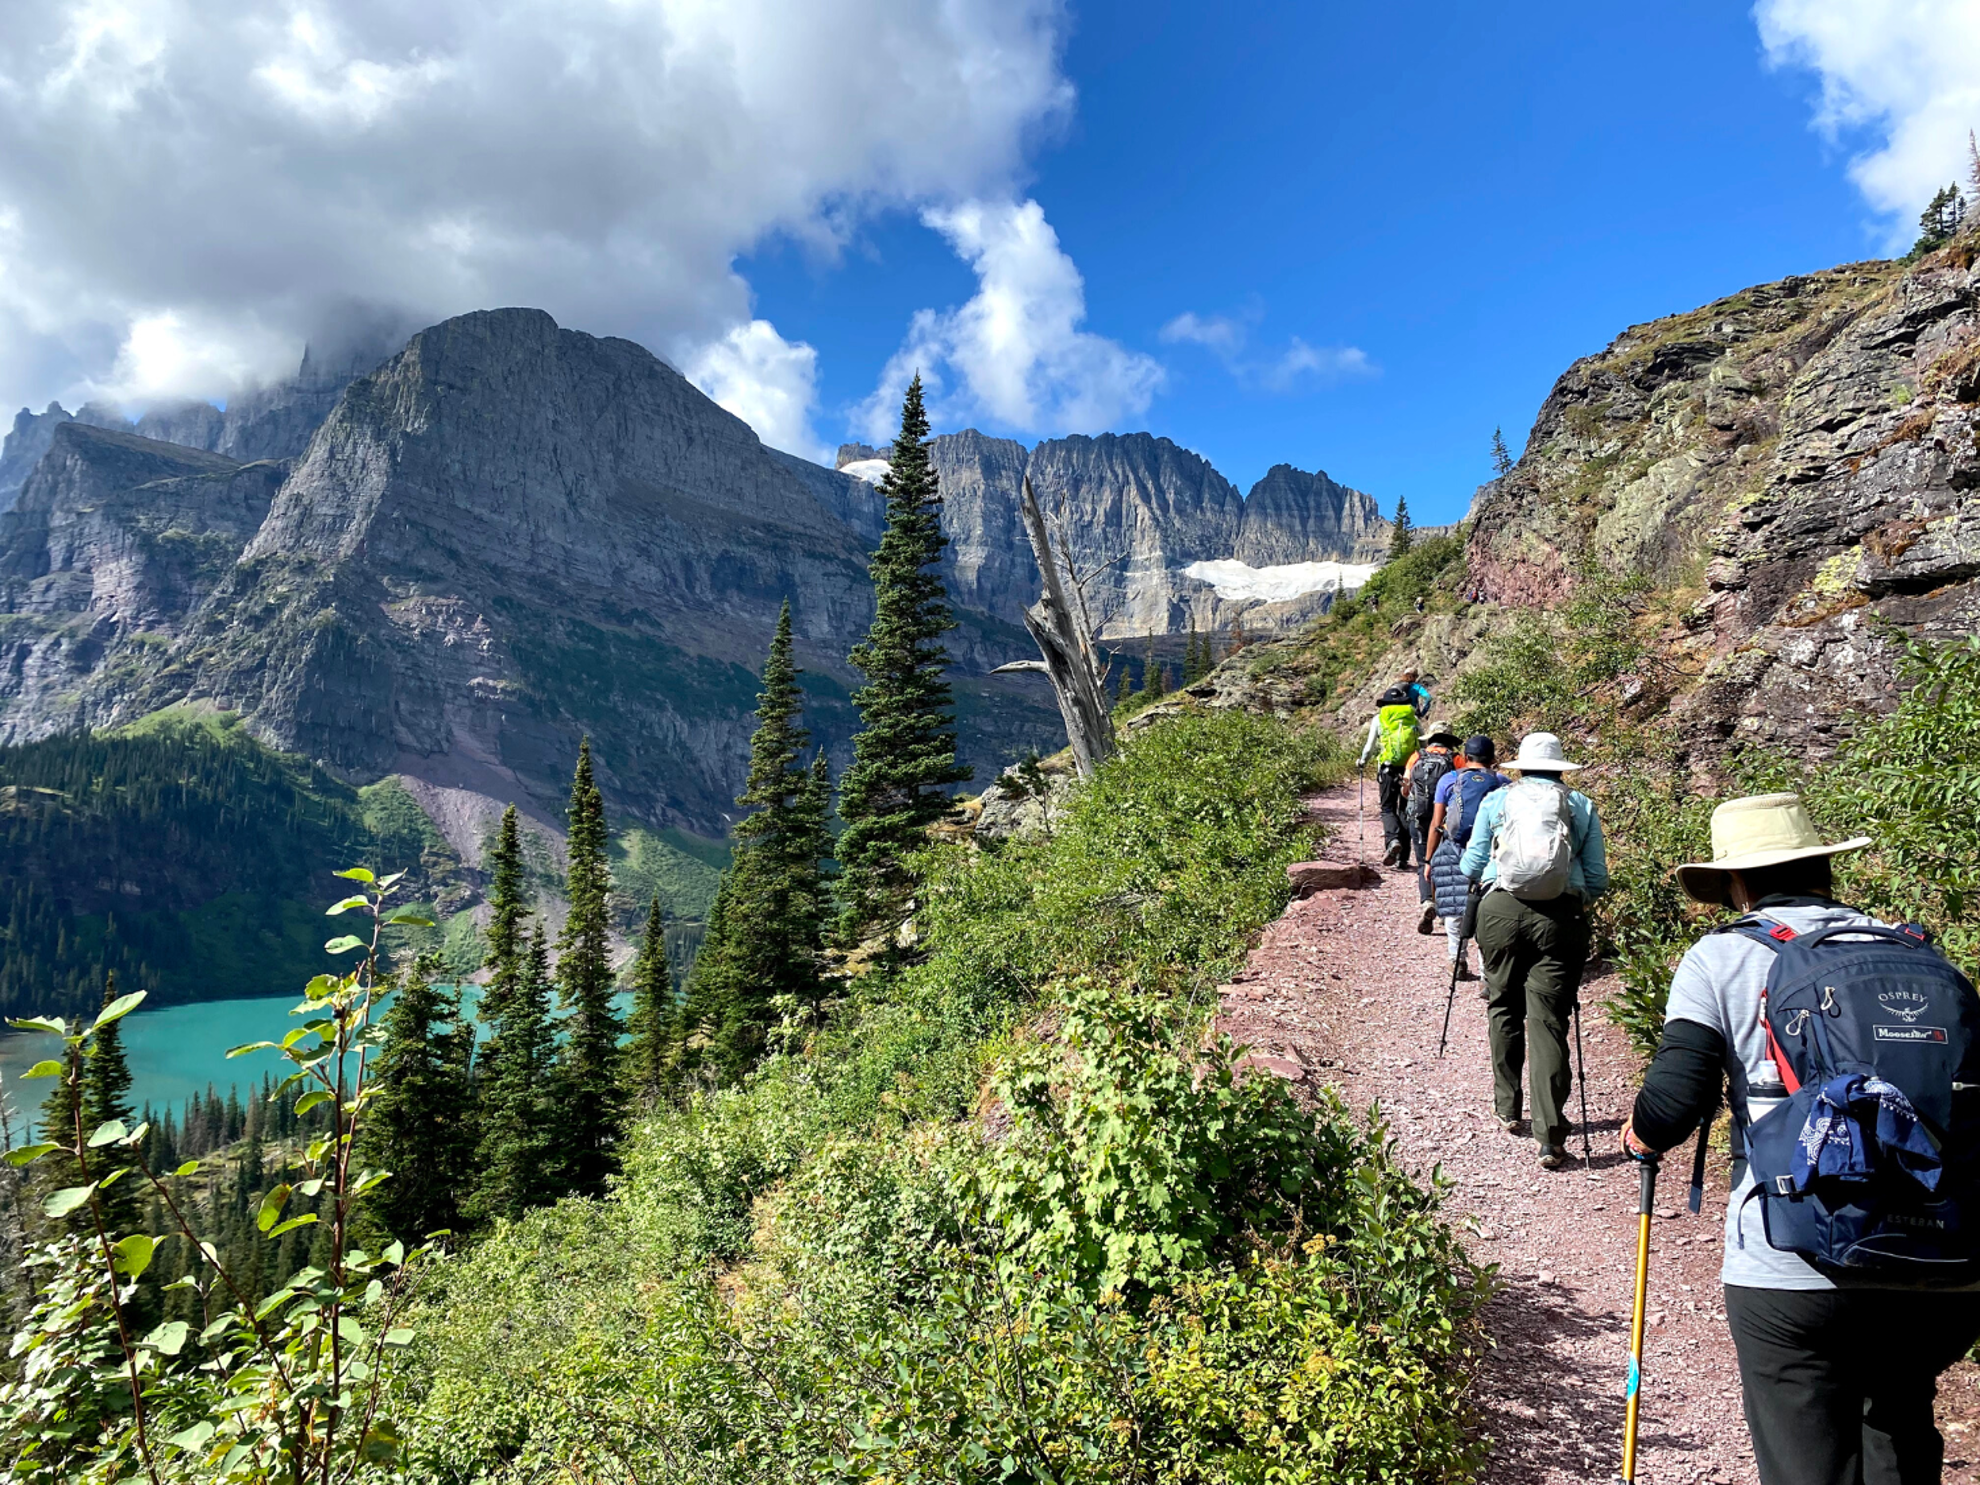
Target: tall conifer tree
[(508, 905), (106, 1095), (514, 1134), (1502, 459), (589, 1106), (768, 940), (904, 756), (418, 1126), (654, 1024), (1401, 534)]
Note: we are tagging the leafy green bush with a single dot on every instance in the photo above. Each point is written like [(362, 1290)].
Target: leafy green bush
[(1110, 1259)]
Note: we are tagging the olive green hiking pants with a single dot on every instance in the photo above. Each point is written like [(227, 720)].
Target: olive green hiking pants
[(1532, 953)]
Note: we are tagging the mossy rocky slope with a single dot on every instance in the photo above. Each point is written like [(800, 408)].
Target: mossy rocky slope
[(1791, 465)]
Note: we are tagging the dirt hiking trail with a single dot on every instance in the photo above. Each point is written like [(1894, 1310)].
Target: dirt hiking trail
[(1343, 991)]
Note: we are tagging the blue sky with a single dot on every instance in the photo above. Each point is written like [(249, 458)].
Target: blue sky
[(1348, 237), (1472, 197)]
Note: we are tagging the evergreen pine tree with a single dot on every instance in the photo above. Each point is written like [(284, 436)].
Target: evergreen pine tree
[(590, 1111), (106, 1095), (771, 939), (1401, 534), (653, 1025), (1124, 688), (513, 1113), (705, 1006), (1502, 459), (503, 1145), (1155, 684), (904, 756), (58, 1169), (508, 903), (1939, 221), (417, 1126)]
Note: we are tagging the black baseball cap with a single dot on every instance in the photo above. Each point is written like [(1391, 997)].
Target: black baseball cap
[(1481, 748)]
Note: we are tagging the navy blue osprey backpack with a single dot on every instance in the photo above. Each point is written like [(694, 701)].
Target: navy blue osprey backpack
[(1870, 1169)]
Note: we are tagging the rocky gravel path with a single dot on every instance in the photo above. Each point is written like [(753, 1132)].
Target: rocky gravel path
[(1343, 991)]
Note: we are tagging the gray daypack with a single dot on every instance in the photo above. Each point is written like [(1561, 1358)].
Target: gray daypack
[(1534, 852)]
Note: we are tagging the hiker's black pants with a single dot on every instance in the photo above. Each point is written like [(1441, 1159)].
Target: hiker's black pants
[(1419, 831), (1389, 791), (1839, 1386), (1532, 953)]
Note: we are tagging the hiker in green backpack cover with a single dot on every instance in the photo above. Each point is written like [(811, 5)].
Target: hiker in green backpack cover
[(1392, 740), (1536, 848)]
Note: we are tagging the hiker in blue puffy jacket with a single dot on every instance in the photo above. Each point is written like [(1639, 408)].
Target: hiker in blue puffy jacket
[(1459, 795), (1838, 1382), (1536, 850)]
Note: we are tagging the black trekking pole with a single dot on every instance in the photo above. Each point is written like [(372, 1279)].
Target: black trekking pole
[(1467, 925), (1361, 814), (1581, 1065), (1633, 1388)]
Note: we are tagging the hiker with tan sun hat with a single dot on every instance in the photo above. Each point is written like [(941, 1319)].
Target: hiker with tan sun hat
[(1536, 851), (1852, 1237)]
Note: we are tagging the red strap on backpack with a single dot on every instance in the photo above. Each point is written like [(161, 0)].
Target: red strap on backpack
[(1788, 1079), (1782, 933)]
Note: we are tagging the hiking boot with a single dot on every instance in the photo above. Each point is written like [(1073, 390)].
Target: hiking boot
[(1466, 972), (1426, 918), (1389, 856), (1553, 1157), (1512, 1126)]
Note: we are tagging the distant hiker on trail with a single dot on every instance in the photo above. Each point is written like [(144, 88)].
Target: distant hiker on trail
[(1418, 692), (1392, 739), (1427, 767), (1459, 795), (1838, 1378), (1536, 848)]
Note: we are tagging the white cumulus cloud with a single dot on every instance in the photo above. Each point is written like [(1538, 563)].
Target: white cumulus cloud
[(1228, 338), (767, 381), (1906, 70), (227, 172), (1015, 354)]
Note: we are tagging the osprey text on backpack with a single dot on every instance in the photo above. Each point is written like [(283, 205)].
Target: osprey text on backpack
[(1869, 1168), (1534, 852)]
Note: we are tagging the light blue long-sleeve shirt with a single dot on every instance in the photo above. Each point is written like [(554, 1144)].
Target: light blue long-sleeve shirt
[(1589, 872)]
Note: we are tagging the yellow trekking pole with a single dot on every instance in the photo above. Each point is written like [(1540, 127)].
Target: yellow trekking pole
[(1633, 1391)]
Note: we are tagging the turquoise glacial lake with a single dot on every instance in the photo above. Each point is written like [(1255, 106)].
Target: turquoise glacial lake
[(173, 1052), (177, 1051)]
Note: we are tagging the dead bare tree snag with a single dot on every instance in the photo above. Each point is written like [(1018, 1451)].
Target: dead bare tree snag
[(1063, 630)]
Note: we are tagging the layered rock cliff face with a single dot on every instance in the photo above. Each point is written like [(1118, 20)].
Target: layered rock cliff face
[(508, 536), (271, 422), (1791, 467), (115, 541), (1137, 510)]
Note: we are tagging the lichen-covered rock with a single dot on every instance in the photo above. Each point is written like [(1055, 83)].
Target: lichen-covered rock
[(1795, 461)]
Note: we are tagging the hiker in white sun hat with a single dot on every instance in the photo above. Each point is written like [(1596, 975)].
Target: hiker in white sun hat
[(1838, 1381), (1536, 848)]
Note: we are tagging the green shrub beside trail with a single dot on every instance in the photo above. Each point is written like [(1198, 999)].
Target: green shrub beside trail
[(1000, 1215)]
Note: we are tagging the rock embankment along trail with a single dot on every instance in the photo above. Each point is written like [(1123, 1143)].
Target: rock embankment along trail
[(1342, 991)]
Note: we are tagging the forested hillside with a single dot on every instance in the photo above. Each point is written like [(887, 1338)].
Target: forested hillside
[(193, 862), (182, 856)]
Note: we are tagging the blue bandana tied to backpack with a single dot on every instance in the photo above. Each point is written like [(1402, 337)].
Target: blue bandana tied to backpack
[(1853, 1122)]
